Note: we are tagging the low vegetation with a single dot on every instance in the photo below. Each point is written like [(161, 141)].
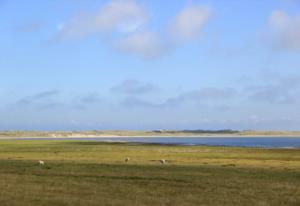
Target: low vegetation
[(96, 173)]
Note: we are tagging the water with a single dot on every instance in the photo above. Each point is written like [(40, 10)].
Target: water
[(261, 142)]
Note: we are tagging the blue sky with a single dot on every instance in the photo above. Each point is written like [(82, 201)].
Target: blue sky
[(137, 64)]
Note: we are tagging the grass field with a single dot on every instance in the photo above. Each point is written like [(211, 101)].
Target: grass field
[(95, 173)]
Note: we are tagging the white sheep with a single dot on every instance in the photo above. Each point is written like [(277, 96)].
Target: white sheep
[(41, 163), (127, 159), (163, 161)]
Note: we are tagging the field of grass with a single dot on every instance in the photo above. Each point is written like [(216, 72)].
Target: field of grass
[(95, 173)]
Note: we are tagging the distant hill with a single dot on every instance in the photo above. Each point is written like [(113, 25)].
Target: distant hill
[(224, 131)]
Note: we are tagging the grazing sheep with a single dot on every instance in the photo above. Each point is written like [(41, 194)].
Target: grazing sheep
[(163, 161), (41, 163), (127, 159)]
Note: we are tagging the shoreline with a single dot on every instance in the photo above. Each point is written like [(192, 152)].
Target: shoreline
[(150, 136)]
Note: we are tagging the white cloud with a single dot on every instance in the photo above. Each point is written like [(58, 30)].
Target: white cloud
[(285, 30), (126, 23), (145, 44), (188, 24), (117, 15)]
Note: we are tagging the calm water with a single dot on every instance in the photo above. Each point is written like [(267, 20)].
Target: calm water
[(265, 142)]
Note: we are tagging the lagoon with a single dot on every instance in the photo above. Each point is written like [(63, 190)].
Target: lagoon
[(257, 142)]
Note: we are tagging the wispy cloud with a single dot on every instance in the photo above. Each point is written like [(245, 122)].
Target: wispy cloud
[(189, 22), (185, 26), (40, 101), (138, 103), (285, 30), (132, 87), (127, 24), (91, 98), (117, 15), (145, 44), (49, 100), (86, 101), (211, 93), (39, 96), (203, 95), (283, 90)]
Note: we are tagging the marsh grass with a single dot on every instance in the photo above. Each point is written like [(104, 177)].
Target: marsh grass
[(94, 173)]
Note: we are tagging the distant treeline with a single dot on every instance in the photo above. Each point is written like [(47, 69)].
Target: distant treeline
[(223, 131)]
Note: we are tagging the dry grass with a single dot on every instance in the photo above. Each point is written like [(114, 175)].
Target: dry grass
[(94, 173)]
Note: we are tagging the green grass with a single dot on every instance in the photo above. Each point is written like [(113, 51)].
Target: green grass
[(94, 173)]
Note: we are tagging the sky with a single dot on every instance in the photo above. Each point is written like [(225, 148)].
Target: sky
[(141, 64)]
